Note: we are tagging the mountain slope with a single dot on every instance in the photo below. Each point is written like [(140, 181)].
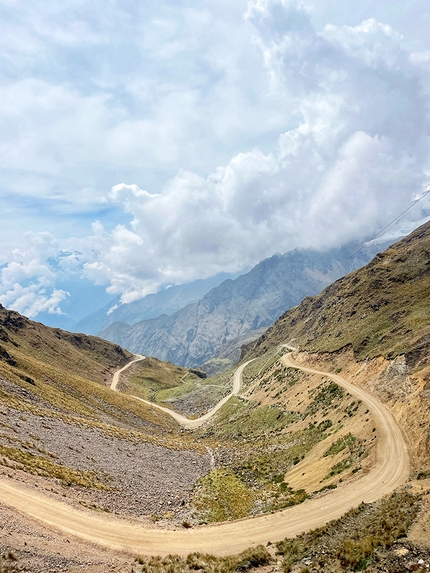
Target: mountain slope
[(51, 372), (383, 308), (236, 307), (374, 326), (291, 434), (65, 433), (166, 301)]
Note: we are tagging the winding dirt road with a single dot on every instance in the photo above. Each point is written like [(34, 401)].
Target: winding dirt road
[(182, 420), (197, 422), (390, 471), (117, 374)]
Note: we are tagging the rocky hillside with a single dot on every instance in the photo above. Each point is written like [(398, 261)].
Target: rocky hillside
[(236, 307), (166, 301), (66, 434), (374, 325), (48, 371)]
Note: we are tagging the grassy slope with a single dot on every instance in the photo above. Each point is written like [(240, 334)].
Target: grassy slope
[(375, 322), (381, 309), (52, 372), (286, 425), (151, 379)]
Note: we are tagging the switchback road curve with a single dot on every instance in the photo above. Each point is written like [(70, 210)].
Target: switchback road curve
[(182, 420), (390, 471)]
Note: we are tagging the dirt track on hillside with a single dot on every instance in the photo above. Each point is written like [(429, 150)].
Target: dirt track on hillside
[(390, 471), (117, 374), (197, 422), (182, 420)]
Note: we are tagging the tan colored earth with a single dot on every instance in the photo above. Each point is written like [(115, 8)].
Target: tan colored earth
[(390, 470)]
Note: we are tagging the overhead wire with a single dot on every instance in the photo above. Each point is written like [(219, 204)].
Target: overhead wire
[(414, 202)]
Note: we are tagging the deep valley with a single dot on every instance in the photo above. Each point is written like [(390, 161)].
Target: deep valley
[(297, 471)]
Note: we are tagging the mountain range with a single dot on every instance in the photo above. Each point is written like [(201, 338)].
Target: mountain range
[(237, 308), (71, 444), (166, 301)]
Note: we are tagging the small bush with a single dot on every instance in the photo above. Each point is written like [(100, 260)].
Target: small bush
[(339, 445)]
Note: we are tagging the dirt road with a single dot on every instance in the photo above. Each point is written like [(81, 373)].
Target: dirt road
[(391, 470), (117, 374), (182, 420)]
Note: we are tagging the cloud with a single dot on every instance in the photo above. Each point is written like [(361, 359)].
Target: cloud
[(356, 157), (33, 300), (224, 132), (27, 281)]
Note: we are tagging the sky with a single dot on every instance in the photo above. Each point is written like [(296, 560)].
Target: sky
[(145, 144)]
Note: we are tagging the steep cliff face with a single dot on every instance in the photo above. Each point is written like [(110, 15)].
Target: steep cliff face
[(236, 307)]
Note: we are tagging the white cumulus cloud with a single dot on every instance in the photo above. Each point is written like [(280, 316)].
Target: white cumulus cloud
[(358, 153), (27, 282), (203, 138)]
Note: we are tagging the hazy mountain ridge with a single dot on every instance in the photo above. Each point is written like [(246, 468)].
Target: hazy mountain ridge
[(165, 301), (236, 307)]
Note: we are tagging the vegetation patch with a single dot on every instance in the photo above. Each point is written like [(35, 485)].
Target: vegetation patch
[(265, 464), (256, 480), (353, 538), (195, 396), (347, 441), (239, 419), (339, 468), (278, 380), (261, 365), (203, 563), (148, 377), (41, 466), (324, 397), (356, 451), (221, 496)]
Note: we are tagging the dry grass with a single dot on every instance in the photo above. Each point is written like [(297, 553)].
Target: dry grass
[(353, 538), (269, 440), (249, 559), (43, 466), (222, 496), (52, 373), (148, 377)]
